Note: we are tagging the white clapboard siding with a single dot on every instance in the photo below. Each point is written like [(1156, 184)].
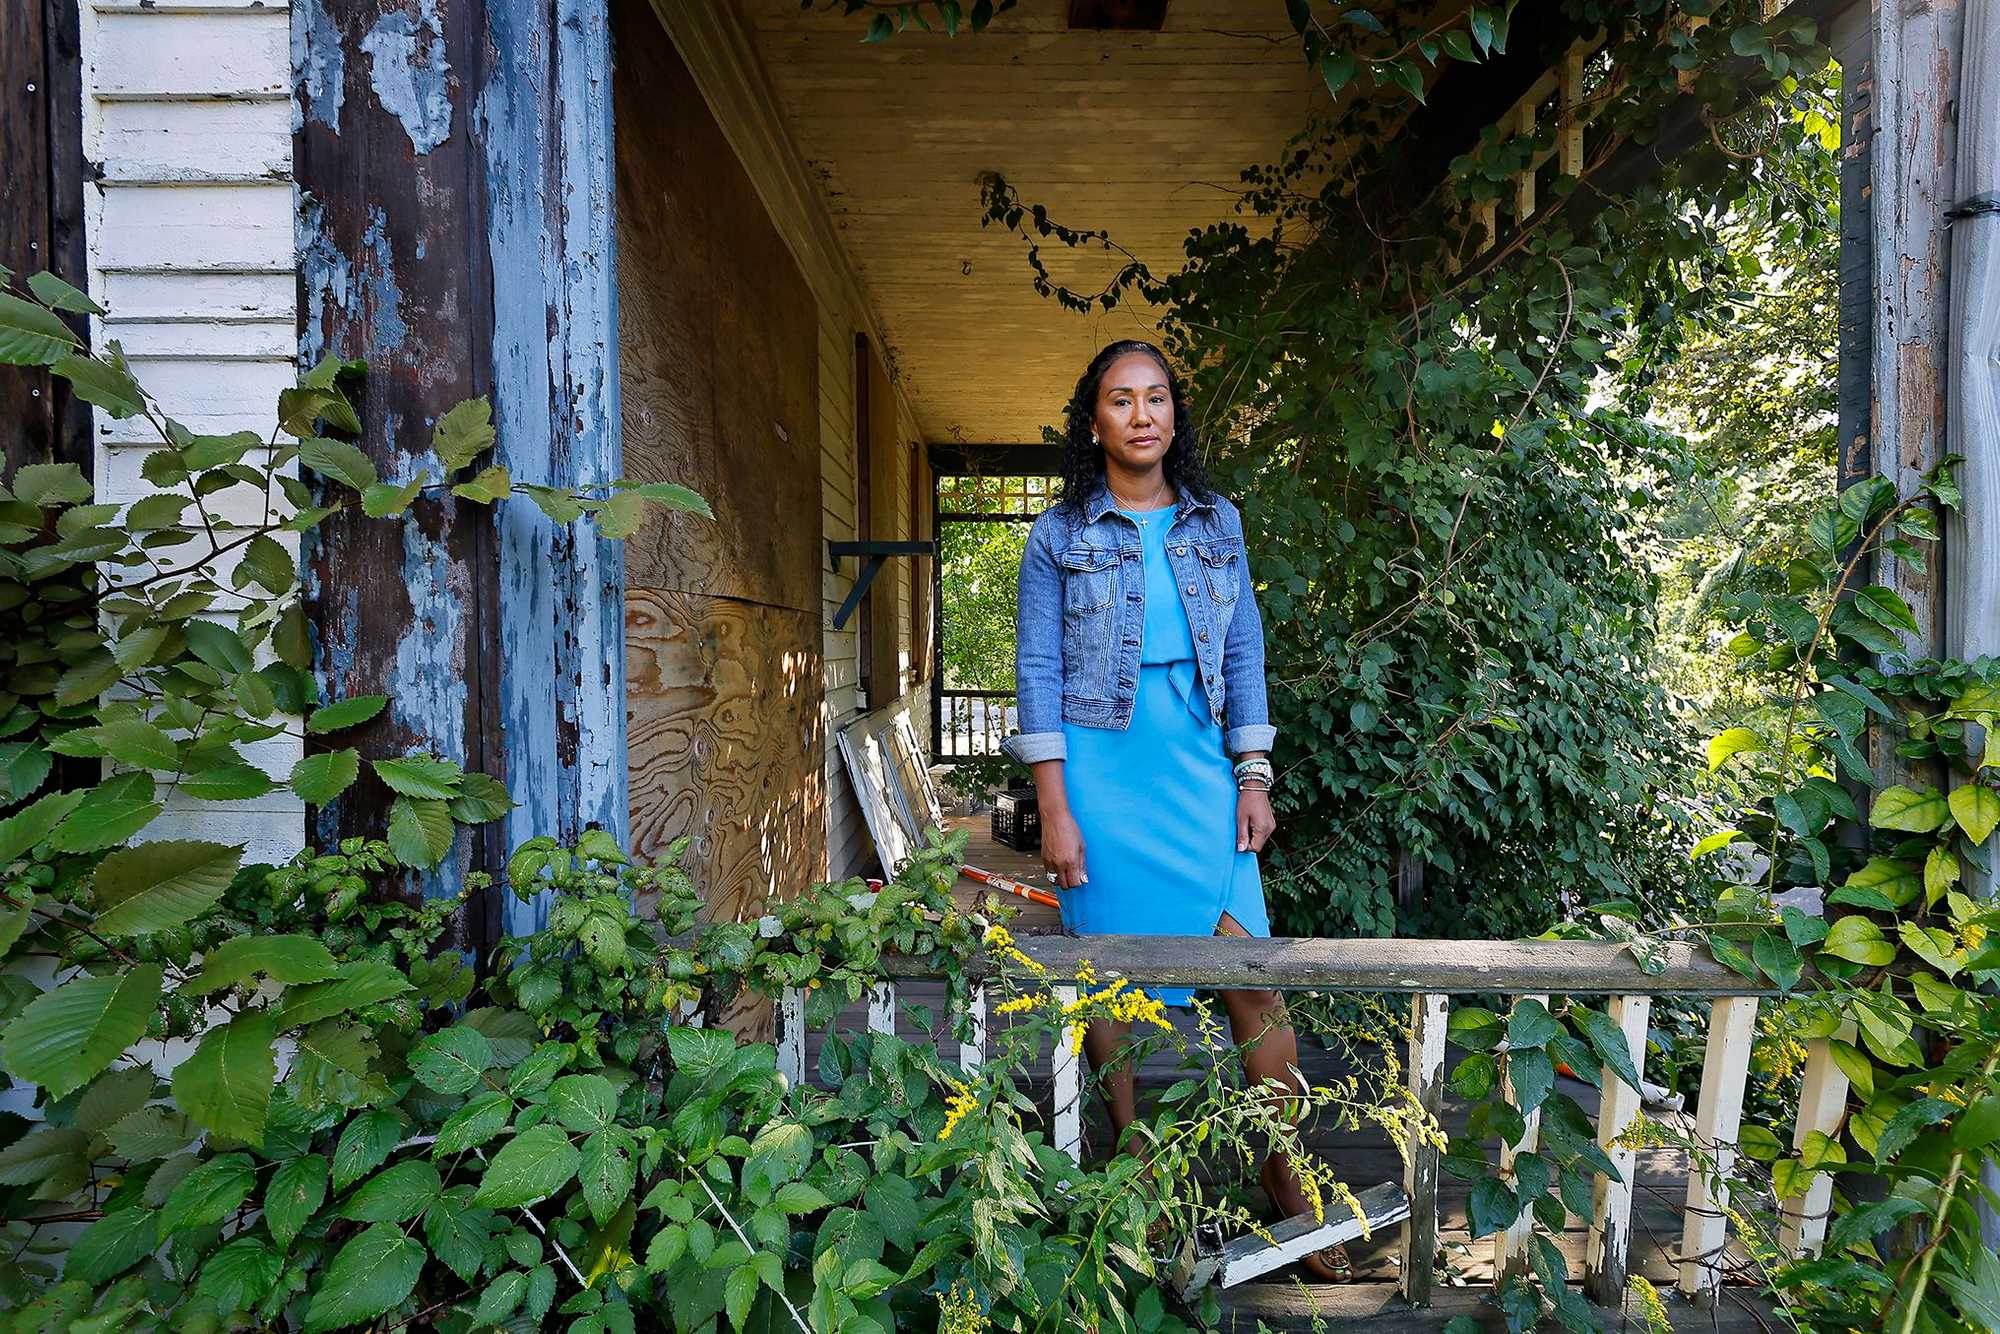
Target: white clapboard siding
[(189, 228), (197, 142)]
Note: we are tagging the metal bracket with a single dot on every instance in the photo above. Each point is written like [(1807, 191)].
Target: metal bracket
[(872, 555)]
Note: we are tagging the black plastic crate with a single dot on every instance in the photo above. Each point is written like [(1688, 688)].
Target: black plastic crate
[(1017, 819)]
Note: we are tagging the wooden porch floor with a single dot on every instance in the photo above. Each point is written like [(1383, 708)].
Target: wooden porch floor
[(1362, 1159)]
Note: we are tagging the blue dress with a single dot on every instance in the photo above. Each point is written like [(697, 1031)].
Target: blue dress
[(1156, 803)]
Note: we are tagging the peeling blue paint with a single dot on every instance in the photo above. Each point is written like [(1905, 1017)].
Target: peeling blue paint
[(324, 275), (409, 73), (378, 286), (562, 591), (319, 67)]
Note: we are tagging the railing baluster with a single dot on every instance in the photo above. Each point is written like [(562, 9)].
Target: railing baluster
[(1725, 1069), (882, 1008), (1510, 1244), (1569, 139), (1822, 1104), (972, 1052), (1428, 1018), (1524, 180), (1604, 1258), (792, 1036), (1066, 1067)]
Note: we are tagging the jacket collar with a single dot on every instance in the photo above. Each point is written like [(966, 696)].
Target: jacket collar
[(1101, 503)]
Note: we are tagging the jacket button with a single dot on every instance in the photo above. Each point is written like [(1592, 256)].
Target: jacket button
[(1180, 551), (1204, 636), (1190, 590)]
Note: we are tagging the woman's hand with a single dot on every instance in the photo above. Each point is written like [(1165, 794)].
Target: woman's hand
[(1062, 847), (1254, 821)]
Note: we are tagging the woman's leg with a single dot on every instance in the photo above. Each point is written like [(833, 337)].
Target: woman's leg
[(1105, 1040), (1260, 1025)]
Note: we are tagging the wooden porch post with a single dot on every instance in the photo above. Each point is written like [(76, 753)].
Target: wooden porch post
[(455, 230)]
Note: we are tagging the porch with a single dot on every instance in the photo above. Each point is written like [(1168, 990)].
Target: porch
[(1374, 1300)]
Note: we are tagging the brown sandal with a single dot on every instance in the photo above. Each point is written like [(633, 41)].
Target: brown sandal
[(1329, 1264)]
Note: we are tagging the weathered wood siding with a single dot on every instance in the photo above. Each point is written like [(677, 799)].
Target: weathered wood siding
[(456, 231), (41, 141), (718, 362), (186, 122)]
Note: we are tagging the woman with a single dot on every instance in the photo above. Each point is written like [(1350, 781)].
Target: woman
[(1140, 670)]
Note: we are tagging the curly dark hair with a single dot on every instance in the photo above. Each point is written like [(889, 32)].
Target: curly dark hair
[(1083, 457)]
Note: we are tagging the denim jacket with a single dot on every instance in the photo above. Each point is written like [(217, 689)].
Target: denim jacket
[(1082, 610)]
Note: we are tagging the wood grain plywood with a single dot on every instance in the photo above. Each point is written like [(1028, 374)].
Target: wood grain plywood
[(1141, 132), (719, 384), (724, 730), (718, 335)]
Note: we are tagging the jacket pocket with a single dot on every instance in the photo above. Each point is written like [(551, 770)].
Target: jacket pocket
[(1222, 569), (1090, 579)]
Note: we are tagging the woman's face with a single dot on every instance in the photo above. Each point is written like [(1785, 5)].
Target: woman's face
[(1135, 412)]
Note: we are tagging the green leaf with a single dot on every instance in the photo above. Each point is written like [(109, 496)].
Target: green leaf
[(318, 779), (500, 1299), (474, 1124), (1881, 882), (20, 832), (65, 1038), (1976, 807), (219, 647), (1913, 812), (1734, 741), (297, 1190), (674, 497), (451, 1061), (489, 487), (1494, 1207), (359, 984), (1475, 1029), (339, 460), (420, 832), (1529, 1024), (226, 1084), (534, 1164), (606, 1173), (1883, 606), (395, 1193), (240, 1274), (56, 294), (266, 563), (1978, 1125), (230, 781), (1858, 940), (112, 1245), (158, 885), (560, 505), (31, 336), (583, 1102), (208, 1194), (1607, 1039), (481, 797), (420, 776), (381, 500), (623, 515), (463, 434), (365, 1143), (1531, 1073), (102, 383), (371, 1273), (344, 713), (137, 742), (284, 958), (738, 1292)]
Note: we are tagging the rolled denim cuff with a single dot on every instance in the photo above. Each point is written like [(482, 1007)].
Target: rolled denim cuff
[(1250, 736), (1032, 747)]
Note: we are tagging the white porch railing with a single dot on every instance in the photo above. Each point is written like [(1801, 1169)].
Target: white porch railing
[(1431, 972)]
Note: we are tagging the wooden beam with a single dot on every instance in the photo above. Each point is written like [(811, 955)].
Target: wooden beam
[(41, 141), (1575, 968), (1025, 460)]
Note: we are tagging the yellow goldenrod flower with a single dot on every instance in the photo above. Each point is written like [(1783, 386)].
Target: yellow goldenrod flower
[(962, 1101)]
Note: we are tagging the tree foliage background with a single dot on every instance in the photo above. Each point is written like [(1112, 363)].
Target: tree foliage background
[(1494, 494)]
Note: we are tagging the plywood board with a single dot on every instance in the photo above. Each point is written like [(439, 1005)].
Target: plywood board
[(723, 727), (718, 337)]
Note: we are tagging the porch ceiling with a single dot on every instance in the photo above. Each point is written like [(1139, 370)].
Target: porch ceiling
[(1143, 133)]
